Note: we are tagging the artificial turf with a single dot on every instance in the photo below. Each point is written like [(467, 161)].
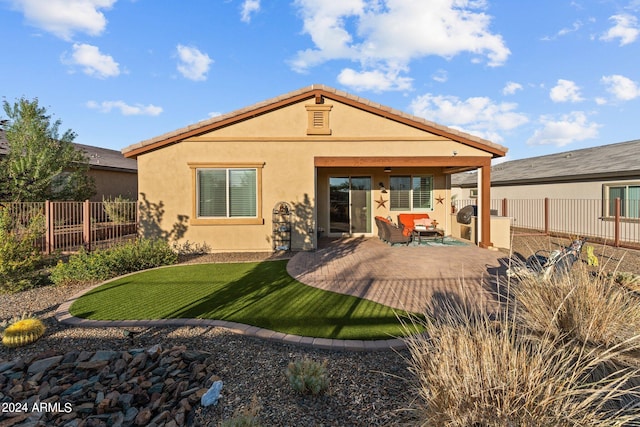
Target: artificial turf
[(258, 294)]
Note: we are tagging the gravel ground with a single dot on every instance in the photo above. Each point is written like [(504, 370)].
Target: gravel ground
[(366, 389)]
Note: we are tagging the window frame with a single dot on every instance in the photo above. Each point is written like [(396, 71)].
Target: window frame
[(196, 219), (411, 207), (624, 208)]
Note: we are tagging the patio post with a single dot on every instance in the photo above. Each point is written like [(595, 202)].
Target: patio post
[(86, 225), (485, 205), (616, 238), (546, 216)]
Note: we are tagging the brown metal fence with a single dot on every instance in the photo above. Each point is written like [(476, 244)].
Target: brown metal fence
[(590, 218), (68, 226)]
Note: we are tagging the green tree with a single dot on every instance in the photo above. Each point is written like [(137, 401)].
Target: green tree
[(41, 163)]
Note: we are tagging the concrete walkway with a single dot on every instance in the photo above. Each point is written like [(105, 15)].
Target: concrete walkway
[(418, 279)]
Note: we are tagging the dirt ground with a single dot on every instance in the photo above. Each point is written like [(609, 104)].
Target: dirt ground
[(610, 259)]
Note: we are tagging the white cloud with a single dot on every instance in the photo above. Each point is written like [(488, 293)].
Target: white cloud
[(125, 109), (564, 31), (565, 91), (193, 65), (64, 18), (249, 7), (478, 115), (441, 76), (389, 35), (93, 62), (375, 80), (625, 28), (621, 87), (511, 87), (569, 128)]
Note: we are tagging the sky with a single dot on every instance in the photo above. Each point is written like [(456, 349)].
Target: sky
[(538, 77)]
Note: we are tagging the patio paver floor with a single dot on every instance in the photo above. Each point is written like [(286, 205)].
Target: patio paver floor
[(412, 278)]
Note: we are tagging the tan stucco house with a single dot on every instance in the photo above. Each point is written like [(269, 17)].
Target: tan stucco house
[(326, 161)]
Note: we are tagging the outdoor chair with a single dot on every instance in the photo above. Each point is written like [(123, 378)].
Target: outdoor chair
[(389, 233), (557, 264)]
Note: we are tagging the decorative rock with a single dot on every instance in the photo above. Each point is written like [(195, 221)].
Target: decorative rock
[(108, 388), (43, 364), (131, 414), (104, 355), (143, 417), (212, 395), (96, 364)]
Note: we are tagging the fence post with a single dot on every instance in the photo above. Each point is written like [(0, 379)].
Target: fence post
[(546, 215), (86, 225), (48, 228), (505, 211), (616, 230)]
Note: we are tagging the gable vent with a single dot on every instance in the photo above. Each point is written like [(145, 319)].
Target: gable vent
[(318, 119)]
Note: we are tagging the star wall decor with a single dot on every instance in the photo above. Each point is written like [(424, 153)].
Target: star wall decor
[(381, 203), (440, 200)]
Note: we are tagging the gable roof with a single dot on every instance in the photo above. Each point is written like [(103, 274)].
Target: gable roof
[(97, 157), (612, 161), (313, 91)]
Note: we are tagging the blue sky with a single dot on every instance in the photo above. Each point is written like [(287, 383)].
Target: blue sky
[(535, 76)]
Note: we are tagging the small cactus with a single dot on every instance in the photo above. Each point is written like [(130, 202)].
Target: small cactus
[(592, 259), (308, 376), (22, 331)]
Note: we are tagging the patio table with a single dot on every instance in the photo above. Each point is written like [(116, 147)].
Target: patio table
[(428, 234)]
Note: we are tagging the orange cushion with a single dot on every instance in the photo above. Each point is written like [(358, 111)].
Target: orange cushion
[(383, 219), (407, 221)]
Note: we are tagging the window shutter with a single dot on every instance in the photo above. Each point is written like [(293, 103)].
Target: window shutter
[(400, 192), (421, 192)]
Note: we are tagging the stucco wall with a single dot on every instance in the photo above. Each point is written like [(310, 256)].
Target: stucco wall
[(110, 184)]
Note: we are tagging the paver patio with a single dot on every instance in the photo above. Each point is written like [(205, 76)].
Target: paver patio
[(412, 278)]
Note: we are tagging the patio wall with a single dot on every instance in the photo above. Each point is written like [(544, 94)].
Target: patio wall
[(567, 217)]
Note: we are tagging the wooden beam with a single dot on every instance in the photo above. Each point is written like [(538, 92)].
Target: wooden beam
[(403, 161)]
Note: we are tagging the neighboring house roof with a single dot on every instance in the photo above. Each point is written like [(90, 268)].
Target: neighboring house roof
[(313, 91), (104, 158), (99, 158), (612, 161)]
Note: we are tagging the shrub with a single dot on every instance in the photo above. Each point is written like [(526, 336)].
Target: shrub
[(119, 210), (22, 331), (472, 371), (307, 376), (107, 263), (245, 418), (19, 255), (590, 310)]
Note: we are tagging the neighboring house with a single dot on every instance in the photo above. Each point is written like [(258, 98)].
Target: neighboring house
[(602, 173), (336, 160), (114, 174)]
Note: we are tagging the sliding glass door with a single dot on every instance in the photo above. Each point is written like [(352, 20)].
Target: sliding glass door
[(350, 205)]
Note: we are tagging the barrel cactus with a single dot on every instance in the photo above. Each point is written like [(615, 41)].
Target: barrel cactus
[(22, 331)]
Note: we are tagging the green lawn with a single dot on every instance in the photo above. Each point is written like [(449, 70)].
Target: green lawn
[(259, 294)]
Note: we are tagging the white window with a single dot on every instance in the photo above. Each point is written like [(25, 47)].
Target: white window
[(629, 195), (411, 192), (227, 193)]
